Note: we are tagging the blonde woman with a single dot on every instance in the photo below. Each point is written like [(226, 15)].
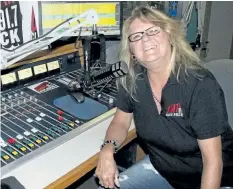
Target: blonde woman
[(178, 109)]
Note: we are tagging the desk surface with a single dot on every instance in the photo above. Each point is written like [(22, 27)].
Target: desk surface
[(66, 163)]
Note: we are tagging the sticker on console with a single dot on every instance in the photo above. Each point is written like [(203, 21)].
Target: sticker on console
[(43, 87)]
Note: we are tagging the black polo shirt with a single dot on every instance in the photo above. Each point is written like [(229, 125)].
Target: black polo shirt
[(192, 109)]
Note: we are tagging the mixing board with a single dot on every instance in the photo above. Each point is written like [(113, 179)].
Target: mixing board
[(38, 112)]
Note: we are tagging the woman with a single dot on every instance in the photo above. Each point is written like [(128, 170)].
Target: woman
[(178, 108)]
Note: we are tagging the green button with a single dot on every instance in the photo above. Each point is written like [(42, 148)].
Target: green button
[(50, 133), (65, 127), (25, 142), (33, 138), (18, 145), (9, 149), (3, 154)]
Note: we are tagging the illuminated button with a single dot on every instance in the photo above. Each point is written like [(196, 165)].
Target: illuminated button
[(110, 100), (34, 130), (15, 153), (11, 140), (71, 124), (38, 118), (6, 157), (46, 137), (19, 137), (77, 121), (23, 149), (60, 118), (42, 114), (29, 120), (59, 112), (38, 141), (31, 145), (26, 133)]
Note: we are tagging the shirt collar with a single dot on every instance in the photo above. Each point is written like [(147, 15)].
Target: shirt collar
[(173, 79)]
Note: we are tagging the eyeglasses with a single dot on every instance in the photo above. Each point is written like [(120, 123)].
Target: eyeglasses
[(150, 32)]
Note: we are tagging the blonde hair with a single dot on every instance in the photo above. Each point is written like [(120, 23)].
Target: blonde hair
[(182, 53)]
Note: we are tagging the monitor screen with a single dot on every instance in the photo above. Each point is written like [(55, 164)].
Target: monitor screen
[(52, 13)]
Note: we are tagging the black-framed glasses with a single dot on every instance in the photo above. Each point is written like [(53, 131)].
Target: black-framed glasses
[(150, 32)]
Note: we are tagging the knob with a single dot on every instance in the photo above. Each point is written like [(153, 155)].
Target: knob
[(9, 96), (99, 96), (3, 99), (16, 94), (11, 140), (21, 92), (60, 118), (59, 112), (110, 100)]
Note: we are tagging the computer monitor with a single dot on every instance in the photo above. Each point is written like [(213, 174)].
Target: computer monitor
[(52, 13)]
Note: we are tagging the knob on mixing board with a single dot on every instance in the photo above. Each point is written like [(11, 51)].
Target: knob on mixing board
[(60, 118), (11, 140), (59, 112), (111, 100)]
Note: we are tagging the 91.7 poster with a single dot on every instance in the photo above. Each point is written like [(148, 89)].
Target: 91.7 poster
[(18, 23)]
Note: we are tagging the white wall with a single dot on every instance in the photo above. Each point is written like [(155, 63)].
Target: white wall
[(220, 30)]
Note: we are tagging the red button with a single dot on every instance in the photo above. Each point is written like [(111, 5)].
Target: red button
[(60, 118), (59, 112), (11, 140)]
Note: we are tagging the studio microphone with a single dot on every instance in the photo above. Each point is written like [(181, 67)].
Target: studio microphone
[(108, 73)]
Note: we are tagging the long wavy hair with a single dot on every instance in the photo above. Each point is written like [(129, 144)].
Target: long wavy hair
[(182, 53)]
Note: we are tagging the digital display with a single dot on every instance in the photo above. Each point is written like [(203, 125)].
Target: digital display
[(53, 65), (25, 73), (8, 78), (40, 69)]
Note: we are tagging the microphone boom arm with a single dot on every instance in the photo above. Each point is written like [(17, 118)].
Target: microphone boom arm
[(12, 56)]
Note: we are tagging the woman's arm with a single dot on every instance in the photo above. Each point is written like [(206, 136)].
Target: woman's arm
[(211, 150)]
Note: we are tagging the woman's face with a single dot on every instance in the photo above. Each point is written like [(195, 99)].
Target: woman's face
[(151, 47)]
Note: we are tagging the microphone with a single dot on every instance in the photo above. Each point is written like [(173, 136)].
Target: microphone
[(115, 70)]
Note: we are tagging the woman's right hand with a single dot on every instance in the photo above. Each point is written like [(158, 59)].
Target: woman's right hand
[(106, 170)]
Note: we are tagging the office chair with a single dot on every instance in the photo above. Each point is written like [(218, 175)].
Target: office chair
[(223, 72)]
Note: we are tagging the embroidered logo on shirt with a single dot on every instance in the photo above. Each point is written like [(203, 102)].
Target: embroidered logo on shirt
[(174, 110)]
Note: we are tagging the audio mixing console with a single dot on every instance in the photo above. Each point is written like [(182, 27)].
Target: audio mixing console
[(38, 113)]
